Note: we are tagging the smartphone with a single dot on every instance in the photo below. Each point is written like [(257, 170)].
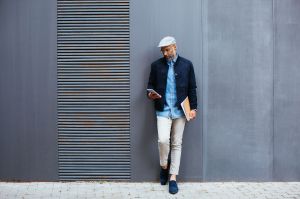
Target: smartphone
[(153, 91)]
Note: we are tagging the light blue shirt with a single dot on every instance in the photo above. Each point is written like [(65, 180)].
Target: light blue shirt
[(170, 110)]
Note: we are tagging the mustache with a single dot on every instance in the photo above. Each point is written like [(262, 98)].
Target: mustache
[(170, 57)]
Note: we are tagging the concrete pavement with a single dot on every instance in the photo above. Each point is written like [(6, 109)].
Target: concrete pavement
[(111, 190)]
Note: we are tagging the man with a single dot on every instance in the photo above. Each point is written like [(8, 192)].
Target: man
[(173, 78)]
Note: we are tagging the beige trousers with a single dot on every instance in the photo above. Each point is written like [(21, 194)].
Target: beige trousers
[(170, 128)]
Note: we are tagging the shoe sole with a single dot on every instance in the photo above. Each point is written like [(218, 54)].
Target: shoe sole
[(163, 183), (173, 192)]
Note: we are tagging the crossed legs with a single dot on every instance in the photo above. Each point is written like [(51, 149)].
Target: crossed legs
[(170, 129)]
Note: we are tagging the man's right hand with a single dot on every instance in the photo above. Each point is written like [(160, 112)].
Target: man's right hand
[(153, 96)]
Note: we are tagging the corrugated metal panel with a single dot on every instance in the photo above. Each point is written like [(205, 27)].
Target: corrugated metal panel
[(93, 90)]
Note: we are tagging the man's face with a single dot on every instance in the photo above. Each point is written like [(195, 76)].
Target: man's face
[(169, 52)]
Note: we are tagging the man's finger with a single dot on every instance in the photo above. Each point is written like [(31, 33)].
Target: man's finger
[(156, 96)]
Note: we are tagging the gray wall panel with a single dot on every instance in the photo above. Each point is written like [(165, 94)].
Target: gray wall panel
[(150, 21), (287, 96), (28, 130), (238, 89)]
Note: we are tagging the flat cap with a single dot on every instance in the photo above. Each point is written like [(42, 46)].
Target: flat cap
[(166, 41)]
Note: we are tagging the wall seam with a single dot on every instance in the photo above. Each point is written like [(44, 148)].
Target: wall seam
[(273, 101), (202, 93), (201, 4), (57, 129)]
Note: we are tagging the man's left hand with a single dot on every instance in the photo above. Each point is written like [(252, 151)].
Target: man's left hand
[(193, 114)]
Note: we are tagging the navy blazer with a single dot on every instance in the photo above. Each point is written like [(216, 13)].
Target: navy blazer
[(185, 81)]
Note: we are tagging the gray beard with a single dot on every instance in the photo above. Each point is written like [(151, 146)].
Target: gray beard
[(170, 58)]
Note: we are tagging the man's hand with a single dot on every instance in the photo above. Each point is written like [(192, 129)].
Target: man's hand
[(193, 114), (153, 96)]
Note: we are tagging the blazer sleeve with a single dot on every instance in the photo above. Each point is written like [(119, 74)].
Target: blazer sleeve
[(192, 94), (152, 79)]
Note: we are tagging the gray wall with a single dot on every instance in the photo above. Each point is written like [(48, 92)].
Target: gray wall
[(286, 91), (238, 90), (246, 60), (150, 21), (28, 110)]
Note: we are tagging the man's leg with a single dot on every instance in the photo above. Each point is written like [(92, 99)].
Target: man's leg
[(163, 128), (176, 145)]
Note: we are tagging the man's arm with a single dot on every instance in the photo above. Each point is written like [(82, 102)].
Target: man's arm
[(192, 94), (151, 84), (192, 89)]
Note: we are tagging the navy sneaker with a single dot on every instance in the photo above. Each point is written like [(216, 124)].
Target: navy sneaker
[(164, 175), (173, 188)]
